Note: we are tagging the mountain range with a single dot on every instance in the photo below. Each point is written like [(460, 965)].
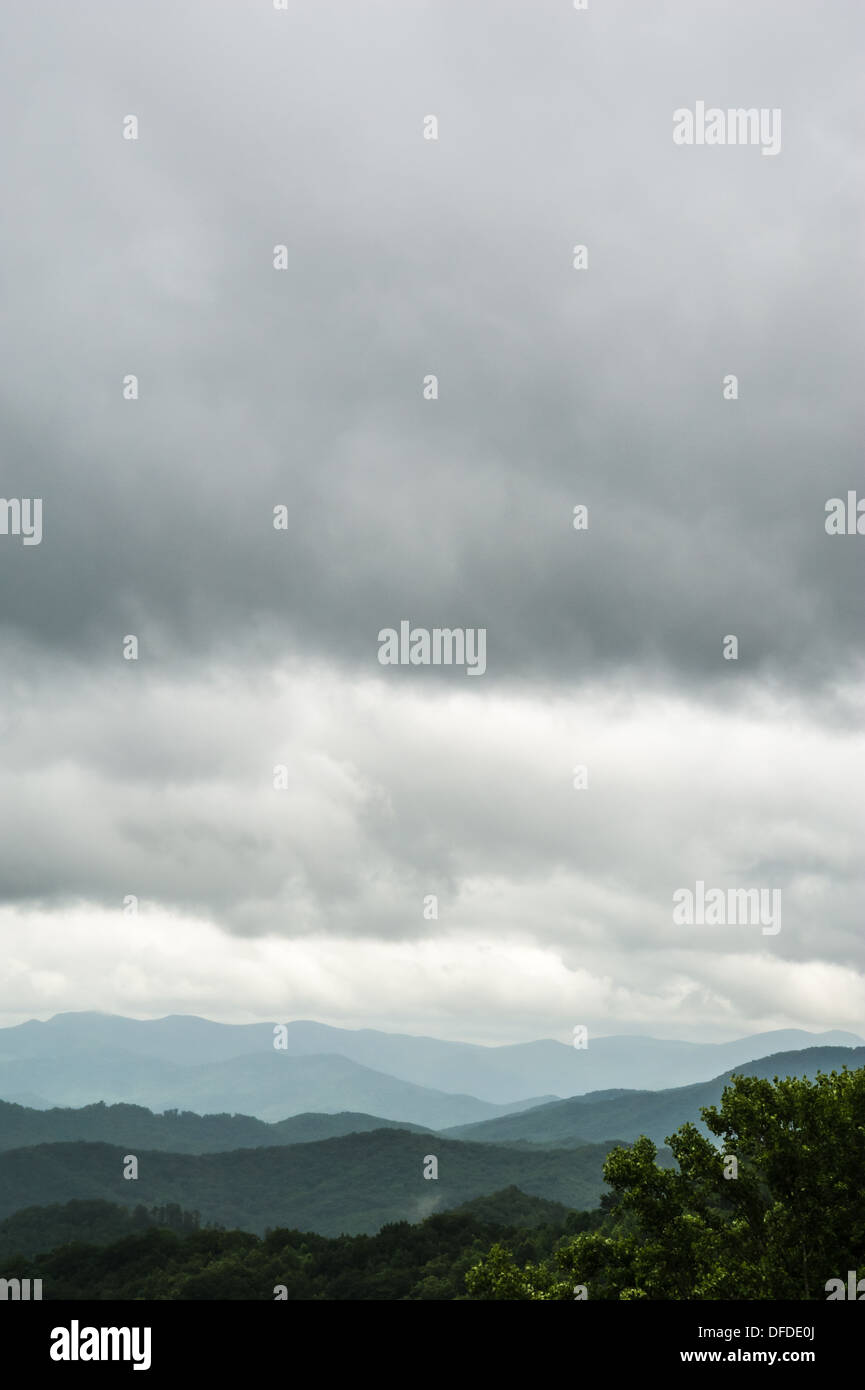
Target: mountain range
[(331, 1132), (192, 1063), (345, 1172)]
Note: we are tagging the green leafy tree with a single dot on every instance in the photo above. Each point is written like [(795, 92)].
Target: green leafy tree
[(498, 1276), (772, 1209)]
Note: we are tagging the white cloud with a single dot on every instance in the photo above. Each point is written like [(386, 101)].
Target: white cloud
[(555, 905)]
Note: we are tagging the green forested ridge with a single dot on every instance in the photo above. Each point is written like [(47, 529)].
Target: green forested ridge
[(34, 1230), (175, 1131), (511, 1207), (354, 1184)]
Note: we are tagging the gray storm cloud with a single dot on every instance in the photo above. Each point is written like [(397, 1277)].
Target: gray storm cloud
[(406, 257)]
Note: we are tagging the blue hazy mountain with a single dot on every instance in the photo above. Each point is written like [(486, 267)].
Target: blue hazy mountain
[(152, 1062), (267, 1084)]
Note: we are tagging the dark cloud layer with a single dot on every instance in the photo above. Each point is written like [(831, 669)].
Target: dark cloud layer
[(454, 257)]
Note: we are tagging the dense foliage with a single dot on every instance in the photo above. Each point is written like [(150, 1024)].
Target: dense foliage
[(785, 1218), (33, 1229), (425, 1261)]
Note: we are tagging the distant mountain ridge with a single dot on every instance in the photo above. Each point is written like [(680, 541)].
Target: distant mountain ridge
[(149, 1055), (628, 1114), (267, 1085)]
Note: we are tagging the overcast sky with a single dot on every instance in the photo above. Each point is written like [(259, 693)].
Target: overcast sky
[(304, 387)]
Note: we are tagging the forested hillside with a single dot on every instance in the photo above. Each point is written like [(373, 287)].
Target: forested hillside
[(176, 1131), (355, 1183)]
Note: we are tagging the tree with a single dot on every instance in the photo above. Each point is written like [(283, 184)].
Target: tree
[(498, 1276), (781, 1221)]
